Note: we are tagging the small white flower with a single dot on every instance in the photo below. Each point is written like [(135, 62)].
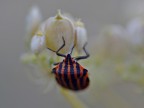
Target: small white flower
[(55, 28), (81, 35), (38, 43)]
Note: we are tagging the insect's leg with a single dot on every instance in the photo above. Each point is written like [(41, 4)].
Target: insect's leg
[(57, 52), (83, 57)]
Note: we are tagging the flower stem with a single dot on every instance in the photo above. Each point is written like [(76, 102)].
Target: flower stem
[(72, 99)]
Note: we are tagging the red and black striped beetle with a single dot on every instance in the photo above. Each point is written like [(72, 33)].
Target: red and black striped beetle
[(69, 73)]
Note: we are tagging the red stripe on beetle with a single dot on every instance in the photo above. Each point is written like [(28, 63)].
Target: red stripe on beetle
[(69, 77), (62, 73)]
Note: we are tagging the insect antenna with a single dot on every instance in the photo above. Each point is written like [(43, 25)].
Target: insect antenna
[(72, 49), (51, 50), (83, 57), (57, 52)]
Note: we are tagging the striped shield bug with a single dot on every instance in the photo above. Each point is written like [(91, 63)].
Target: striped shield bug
[(69, 73)]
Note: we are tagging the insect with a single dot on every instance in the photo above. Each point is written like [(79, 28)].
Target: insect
[(69, 73)]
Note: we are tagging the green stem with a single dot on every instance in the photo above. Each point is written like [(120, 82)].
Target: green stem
[(72, 99)]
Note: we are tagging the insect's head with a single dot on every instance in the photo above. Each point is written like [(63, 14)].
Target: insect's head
[(68, 58)]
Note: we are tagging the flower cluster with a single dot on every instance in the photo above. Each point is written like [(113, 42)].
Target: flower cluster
[(118, 56), (42, 36)]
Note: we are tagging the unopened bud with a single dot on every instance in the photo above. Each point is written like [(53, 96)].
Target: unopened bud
[(81, 35), (38, 43), (56, 28)]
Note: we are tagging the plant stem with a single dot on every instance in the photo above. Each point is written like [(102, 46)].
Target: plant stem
[(72, 99)]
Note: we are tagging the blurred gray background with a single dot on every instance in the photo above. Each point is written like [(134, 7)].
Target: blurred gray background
[(16, 90)]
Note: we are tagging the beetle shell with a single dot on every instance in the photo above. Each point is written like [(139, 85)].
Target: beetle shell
[(71, 75)]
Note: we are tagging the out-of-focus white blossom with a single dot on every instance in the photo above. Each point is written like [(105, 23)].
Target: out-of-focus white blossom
[(81, 35), (55, 28), (115, 31), (112, 41), (33, 20), (38, 43), (135, 30)]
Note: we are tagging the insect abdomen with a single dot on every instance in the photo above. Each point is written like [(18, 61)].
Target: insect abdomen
[(78, 84), (73, 77)]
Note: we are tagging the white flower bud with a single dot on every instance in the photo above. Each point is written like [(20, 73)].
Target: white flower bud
[(38, 43), (55, 28), (33, 21), (81, 35)]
